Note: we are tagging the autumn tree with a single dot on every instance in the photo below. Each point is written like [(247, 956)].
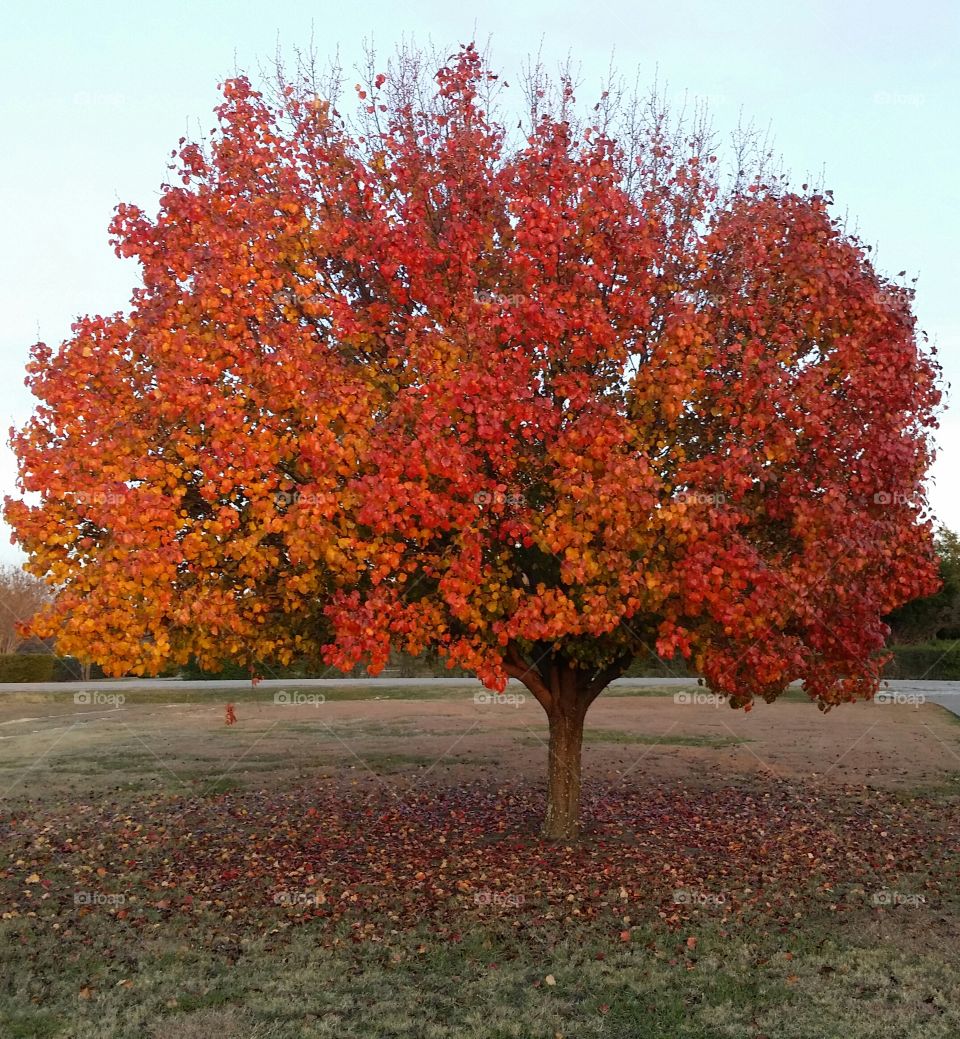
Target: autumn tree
[(21, 596), (534, 401)]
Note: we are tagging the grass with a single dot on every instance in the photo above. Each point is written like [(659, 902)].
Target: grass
[(357, 729), (622, 736), (951, 717), (870, 973), (494, 983), (387, 762)]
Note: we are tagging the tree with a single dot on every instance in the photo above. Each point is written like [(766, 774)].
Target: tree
[(938, 615), (21, 596), (533, 402)]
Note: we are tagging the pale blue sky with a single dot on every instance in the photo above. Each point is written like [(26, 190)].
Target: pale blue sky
[(93, 97)]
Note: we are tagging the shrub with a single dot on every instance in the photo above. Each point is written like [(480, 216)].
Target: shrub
[(26, 667), (649, 665), (935, 661)]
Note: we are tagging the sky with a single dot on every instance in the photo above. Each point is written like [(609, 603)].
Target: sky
[(861, 96)]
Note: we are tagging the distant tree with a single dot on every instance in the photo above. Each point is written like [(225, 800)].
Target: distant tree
[(938, 615), (535, 402), (21, 596)]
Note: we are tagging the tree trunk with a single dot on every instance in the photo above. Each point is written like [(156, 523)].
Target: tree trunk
[(563, 774), (564, 692)]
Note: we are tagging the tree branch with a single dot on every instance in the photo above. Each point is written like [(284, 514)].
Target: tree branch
[(517, 667), (607, 675)]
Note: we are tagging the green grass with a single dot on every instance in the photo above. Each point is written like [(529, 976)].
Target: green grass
[(647, 690), (953, 719), (493, 984), (358, 729), (622, 736)]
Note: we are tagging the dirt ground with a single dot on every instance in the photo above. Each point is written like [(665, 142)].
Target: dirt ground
[(50, 746)]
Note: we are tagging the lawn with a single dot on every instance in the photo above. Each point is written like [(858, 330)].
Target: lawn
[(372, 869)]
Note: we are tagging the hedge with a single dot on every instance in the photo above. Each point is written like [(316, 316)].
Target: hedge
[(400, 665), (26, 667), (933, 661), (937, 661), (651, 666)]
